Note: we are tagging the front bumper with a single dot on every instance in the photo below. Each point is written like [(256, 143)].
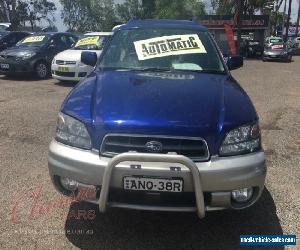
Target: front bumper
[(75, 72), (276, 56), (16, 67), (215, 178)]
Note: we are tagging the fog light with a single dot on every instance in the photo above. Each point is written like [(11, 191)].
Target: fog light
[(242, 195), (69, 184)]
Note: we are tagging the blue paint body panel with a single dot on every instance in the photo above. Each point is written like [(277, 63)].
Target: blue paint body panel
[(185, 104), (178, 104)]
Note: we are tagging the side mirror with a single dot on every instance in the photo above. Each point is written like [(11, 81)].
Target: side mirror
[(89, 58), (235, 62)]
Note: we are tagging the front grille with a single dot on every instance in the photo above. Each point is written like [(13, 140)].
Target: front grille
[(162, 199), (66, 74), (194, 148), (61, 62)]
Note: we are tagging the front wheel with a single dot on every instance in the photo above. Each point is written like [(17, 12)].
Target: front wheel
[(42, 70)]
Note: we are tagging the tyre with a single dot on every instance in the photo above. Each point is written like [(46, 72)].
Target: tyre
[(42, 70)]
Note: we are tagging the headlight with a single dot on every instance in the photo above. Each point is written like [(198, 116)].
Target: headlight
[(72, 132), (53, 61), (242, 140), (26, 55)]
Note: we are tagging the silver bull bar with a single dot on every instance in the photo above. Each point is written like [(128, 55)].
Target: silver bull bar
[(144, 157)]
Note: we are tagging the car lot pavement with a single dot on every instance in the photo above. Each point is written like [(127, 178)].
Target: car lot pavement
[(34, 216)]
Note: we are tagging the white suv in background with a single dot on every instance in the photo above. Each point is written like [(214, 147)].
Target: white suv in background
[(67, 66)]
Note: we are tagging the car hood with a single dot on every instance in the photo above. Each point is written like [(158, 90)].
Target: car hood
[(15, 51), (181, 104), (73, 55)]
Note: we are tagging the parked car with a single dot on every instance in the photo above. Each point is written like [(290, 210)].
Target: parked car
[(296, 39), (296, 48), (35, 53), (3, 33), (253, 48), (10, 39), (277, 51), (4, 26), (160, 124), (67, 66), (269, 41)]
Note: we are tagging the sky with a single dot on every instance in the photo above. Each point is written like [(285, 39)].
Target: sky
[(61, 27)]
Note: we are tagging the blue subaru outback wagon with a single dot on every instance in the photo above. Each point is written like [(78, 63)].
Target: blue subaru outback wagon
[(160, 124)]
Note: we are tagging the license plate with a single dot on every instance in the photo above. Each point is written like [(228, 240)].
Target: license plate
[(63, 69), (4, 66), (152, 184)]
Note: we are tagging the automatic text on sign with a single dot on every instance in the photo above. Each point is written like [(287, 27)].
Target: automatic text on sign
[(168, 45)]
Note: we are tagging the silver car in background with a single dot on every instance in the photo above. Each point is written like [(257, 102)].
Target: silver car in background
[(276, 49)]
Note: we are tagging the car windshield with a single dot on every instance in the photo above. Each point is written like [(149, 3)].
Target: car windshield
[(3, 27), (34, 41), (161, 49), (276, 40), (90, 43)]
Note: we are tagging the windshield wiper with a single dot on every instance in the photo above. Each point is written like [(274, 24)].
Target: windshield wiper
[(207, 71), (154, 69)]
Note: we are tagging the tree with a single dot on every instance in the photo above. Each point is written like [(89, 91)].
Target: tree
[(83, 15), (103, 14), (224, 7), (230, 7), (129, 9), (8, 11), (21, 11), (40, 10), (88, 15), (178, 9), (167, 9), (76, 14), (148, 8)]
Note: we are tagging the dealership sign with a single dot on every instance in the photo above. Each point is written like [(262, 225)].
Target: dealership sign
[(249, 22), (292, 31)]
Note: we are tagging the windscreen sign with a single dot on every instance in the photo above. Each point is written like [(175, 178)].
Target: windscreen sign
[(33, 39), (91, 40), (168, 46)]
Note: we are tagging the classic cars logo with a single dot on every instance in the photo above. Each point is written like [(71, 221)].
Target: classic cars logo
[(168, 45), (154, 146)]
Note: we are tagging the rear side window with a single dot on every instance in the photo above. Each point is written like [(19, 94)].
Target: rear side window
[(71, 40)]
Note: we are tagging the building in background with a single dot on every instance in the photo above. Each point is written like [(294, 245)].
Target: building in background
[(254, 27)]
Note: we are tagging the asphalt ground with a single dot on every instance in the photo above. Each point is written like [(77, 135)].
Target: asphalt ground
[(35, 216)]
